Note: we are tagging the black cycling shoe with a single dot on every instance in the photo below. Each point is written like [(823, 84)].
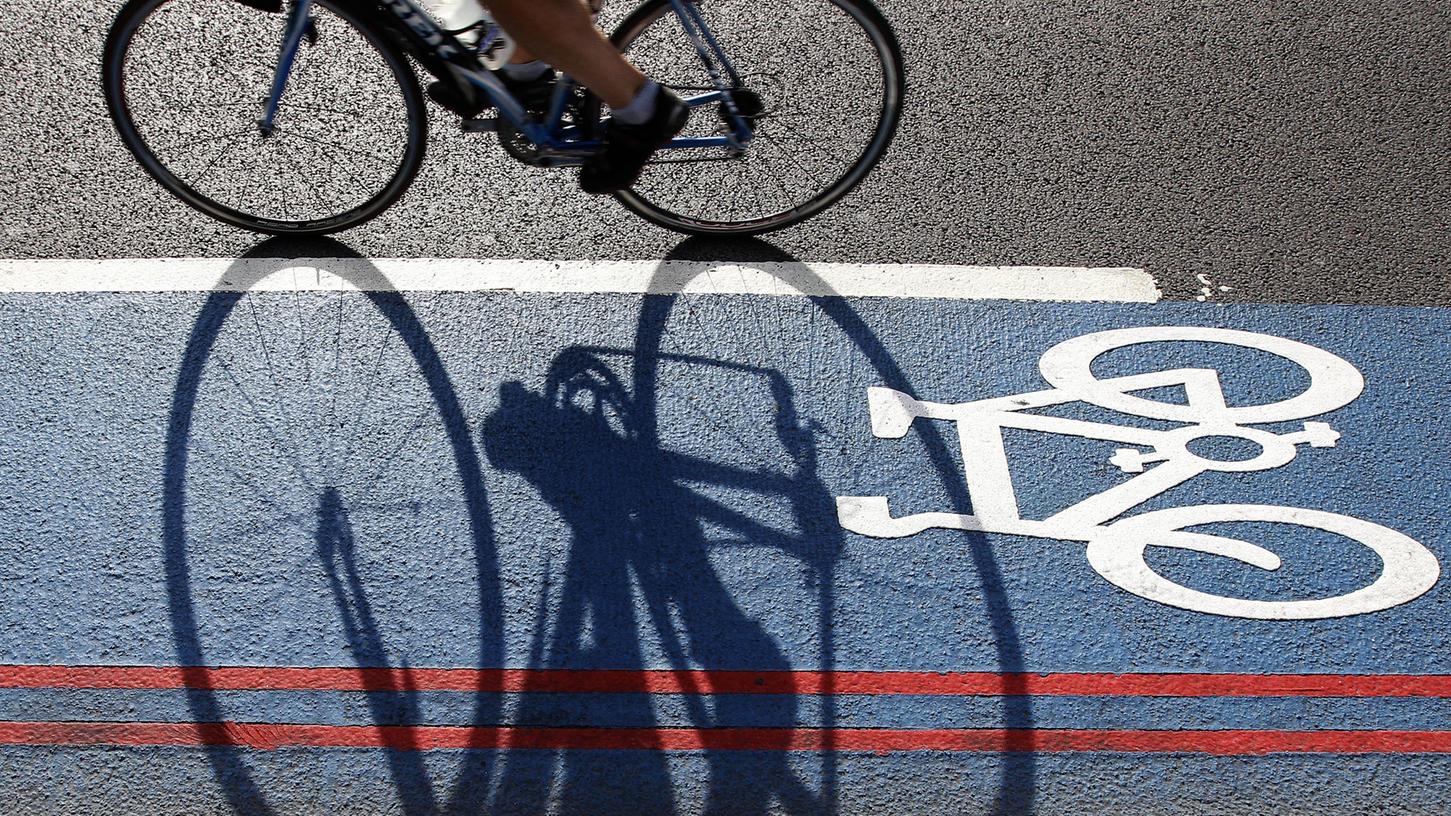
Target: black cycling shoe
[(628, 147), (533, 94)]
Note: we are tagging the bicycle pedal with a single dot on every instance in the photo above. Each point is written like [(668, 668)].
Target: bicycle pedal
[(487, 125)]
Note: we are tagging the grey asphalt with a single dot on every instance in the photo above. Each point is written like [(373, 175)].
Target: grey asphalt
[(1291, 154)]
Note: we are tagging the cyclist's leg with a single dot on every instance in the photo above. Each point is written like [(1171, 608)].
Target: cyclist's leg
[(529, 78), (523, 56), (561, 33)]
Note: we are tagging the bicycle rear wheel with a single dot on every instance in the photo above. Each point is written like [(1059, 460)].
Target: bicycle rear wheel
[(185, 82), (827, 76)]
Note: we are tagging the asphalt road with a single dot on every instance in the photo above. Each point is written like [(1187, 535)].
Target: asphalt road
[(292, 482), (1291, 154)]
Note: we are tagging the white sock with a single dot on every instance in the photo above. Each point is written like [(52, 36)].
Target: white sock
[(642, 107), (525, 71)]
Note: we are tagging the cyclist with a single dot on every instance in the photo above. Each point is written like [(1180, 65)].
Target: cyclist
[(561, 33)]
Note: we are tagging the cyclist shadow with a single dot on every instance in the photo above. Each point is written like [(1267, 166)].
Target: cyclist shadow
[(640, 561), (638, 531), (639, 558)]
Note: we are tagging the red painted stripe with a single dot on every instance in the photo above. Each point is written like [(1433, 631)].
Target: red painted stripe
[(270, 736), (654, 681)]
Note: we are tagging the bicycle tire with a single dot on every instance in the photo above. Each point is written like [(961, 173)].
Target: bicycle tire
[(883, 41), (1408, 568), (115, 87)]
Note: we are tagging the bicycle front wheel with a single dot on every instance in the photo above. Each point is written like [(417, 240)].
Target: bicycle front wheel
[(820, 80), (186, 80)]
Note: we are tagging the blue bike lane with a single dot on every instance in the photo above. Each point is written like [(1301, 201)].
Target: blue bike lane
[(279, 551)]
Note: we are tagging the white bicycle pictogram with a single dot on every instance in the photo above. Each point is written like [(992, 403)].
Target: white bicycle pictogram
[(1163, 459)]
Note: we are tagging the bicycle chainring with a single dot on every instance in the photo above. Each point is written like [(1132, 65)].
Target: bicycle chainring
[(516, 144), (522, 148)]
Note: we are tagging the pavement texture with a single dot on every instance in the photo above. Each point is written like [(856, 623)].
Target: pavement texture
[(1293, 153), (638, 510), (505, 552)]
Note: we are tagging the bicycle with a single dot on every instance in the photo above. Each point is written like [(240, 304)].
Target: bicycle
[(330, 131)]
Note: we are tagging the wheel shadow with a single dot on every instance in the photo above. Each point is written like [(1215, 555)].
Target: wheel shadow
[(391, 699), (1017, 783)]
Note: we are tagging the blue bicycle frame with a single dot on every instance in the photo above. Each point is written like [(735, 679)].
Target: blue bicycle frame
[(548, 135)]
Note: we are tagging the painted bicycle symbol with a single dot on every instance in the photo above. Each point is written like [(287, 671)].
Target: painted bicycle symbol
[(1163, 459)]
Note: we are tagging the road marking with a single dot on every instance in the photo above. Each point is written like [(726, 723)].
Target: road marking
[(272, 736), (1040, 283), (671, 681), (1117, 544)]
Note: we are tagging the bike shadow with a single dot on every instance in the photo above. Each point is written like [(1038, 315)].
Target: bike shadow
[(594, 444), (643, 558), (639, 538)]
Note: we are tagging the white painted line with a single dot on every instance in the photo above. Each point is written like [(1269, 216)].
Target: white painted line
[(1055, 283)]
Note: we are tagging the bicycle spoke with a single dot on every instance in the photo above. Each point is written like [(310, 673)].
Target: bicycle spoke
[(756, 193), (250, 482), (201, 141), (344, 164), (378, 159), (321, 109), (814, 177), (775, 177), (307, 183), (361, 414), (226, 149), (814, 143), (287, 447)]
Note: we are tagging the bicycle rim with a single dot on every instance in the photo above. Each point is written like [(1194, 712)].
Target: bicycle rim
[(185, 79), (830, 106)]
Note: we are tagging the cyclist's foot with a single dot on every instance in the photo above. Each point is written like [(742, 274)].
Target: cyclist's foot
[(534, 94), (629, 146)]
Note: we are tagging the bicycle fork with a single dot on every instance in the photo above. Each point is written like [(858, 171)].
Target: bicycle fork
[(299, 27)]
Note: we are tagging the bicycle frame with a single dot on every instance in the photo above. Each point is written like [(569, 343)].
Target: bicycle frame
[(550, 135), (980, 426)]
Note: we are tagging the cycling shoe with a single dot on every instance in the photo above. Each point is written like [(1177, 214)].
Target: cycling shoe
[(628, 147)]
